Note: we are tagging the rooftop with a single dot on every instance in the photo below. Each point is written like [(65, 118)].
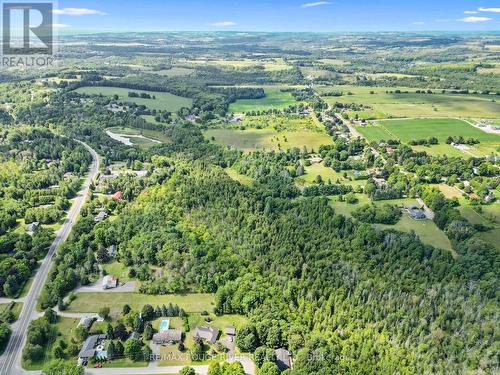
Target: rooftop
[(209, 334)]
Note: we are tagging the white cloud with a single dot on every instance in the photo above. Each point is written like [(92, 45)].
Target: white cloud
[(77, 12), (316, 4), (491, 10), (418, 23), (475, 19), (223, 24), (471, 12), (60, 25)]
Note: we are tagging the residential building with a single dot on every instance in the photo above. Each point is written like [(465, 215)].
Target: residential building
[(100, 216), (170, 336), (86, 321), (89, 348), (208, 334), (30, 228), (283, 359)]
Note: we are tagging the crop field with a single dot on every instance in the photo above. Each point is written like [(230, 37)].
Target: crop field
[(387, 105), (274, 99), (406, 130), (268, 139), (175, 71), (268, 64), (282, 123), (163, 101)]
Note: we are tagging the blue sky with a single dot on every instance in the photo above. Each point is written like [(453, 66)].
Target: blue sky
[(278, 15)]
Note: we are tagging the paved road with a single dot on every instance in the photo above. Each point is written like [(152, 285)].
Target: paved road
[(10, 362)]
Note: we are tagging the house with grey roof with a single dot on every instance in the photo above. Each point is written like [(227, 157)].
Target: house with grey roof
[(30, 228), (86, 321), (283, 359), (89, 348), (169, 336), (207, 334), (100, 216)]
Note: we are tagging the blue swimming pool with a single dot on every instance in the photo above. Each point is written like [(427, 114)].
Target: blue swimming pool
[(101, 354), (164, 324)]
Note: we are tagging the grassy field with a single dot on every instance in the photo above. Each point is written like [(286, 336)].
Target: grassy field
[(92, 302), (386, 105), (274, 99), (326, 173), (411, 129), (118, 270), (281, 123), (268, 139), (134, 135), (407, 130), (442, 149), (241, 178), (163, 101), (426, 230), (448, 191), (487, 215), (268, 64)]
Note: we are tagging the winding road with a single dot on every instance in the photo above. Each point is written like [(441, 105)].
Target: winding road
[(10, 361)]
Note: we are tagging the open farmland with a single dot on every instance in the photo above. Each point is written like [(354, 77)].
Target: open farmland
[(163, 101), (386, 103), (269, 139), (407, 130), (275, 99)]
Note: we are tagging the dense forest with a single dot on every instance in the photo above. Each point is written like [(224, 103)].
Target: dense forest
[(341, 295)]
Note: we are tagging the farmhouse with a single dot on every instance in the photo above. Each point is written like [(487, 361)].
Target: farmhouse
[(283, 359), (109, 282), (91, 345), (169, 336), (208, 334)]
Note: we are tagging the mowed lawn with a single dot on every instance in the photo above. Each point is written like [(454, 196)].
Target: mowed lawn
[(268, 139), (163, 101), (93, 301), (274, 98)]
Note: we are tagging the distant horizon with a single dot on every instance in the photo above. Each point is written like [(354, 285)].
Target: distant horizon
[(114, 31), (276, 16)]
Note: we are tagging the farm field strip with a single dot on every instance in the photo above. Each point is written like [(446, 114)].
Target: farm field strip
[(164, 100)]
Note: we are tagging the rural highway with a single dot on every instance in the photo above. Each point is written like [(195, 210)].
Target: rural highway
[(10, 361)]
